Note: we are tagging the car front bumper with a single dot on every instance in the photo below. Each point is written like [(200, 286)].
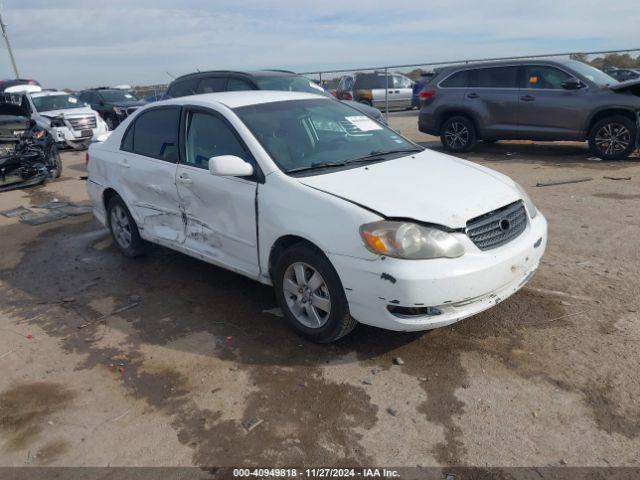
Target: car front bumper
[(456, 287)]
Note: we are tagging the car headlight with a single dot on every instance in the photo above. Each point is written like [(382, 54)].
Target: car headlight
[(528, 203), (120, 110), (409, 240)]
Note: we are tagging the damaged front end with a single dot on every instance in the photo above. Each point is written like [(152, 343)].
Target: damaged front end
[(26, 155)]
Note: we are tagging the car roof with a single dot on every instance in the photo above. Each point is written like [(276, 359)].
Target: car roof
[(500, 63), (48, 93), (241, 98), (249, 73)]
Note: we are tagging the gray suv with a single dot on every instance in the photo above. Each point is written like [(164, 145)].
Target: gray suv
[(541, 100)]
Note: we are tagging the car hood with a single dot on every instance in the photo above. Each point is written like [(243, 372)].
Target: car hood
[(429, 187), (68, 112), (632, 86)]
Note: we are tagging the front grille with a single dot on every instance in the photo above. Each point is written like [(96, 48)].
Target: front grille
[(83, 123), (497, 227)]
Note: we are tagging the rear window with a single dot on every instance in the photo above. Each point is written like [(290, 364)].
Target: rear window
[(154, 134), (494, 77), (457, 80), (212, 85), (369, 81), (182, 88)]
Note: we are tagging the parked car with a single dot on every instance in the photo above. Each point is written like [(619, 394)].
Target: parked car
[(370, 88), (327, 205), (531, 100), (69, 121), (418, 85), (279, 80), (330, 86), (624, 74), (28, 154), (113, 104)]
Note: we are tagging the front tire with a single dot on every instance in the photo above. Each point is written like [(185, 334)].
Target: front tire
[(111, 123), (311, 295), (613, 138), (458, 134), (124, 229)]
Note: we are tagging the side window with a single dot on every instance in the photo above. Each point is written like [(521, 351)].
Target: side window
[(210, 136), (155, 134), (211, 85), (401, 82), (543, 77), (127, 140), (457, 80), (495, 77), (182, 88), (236, 84)]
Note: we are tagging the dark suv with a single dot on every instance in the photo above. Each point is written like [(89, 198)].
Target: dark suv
[(113, 104), (531, 100), (225, 81)]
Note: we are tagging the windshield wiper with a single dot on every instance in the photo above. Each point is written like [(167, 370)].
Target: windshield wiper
[(380, 154), (376, 155), (317, 166)]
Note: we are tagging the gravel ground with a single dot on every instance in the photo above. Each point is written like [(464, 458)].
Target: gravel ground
[(167, 360)]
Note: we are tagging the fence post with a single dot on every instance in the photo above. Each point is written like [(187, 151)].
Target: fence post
[(386, 94), (320, 78)]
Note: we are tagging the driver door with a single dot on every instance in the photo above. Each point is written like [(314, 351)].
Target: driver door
[(220, 211)]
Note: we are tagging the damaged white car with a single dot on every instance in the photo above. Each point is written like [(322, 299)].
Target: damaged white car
[(69, 121), (349, 221)]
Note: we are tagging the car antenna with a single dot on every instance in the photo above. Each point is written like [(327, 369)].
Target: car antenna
[(170, 75)]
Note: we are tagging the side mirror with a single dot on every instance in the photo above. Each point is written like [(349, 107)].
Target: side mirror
[(572, 84), (229, 166)]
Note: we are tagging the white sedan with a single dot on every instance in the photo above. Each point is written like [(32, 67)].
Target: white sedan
[(349, 221)]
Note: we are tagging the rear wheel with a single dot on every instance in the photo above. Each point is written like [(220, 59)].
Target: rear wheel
[(613, 138), (458, 134), (311, 295), (124, 229)]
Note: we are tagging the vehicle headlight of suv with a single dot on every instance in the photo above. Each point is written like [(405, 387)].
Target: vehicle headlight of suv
[(528, 203), (409, 240), (120, 110)]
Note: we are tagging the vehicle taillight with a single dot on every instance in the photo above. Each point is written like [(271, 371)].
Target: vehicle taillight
[(86, 159), (347, 96), (427, 94)]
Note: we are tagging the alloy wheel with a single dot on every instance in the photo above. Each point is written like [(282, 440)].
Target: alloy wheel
[(613, 138), (456, 135), (120, 226), (307, 295)]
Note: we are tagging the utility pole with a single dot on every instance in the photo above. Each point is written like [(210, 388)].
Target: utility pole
[(6, 39)]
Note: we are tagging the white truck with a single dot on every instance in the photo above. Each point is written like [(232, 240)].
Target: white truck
[(68, 120)]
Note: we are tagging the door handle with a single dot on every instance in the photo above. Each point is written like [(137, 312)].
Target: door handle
[(123, 163), (473, 95), (527, 98), (184, 179), (396, 91)]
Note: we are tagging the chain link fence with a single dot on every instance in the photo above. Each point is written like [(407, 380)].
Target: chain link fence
[(603, 60)]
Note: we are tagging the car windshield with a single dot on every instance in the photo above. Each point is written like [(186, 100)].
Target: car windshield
[(115, 96), (367, 81), (46, 103), (289, 83), (307, 135), (596, 76)]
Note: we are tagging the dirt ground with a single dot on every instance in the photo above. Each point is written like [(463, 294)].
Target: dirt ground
[(166, 360)]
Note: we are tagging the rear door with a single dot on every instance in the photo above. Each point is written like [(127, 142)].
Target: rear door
[(403, 89), (492, 95), (220, 211), (548, 111), (146, 170)]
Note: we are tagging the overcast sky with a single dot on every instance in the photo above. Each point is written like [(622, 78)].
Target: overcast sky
[(75, 44)]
